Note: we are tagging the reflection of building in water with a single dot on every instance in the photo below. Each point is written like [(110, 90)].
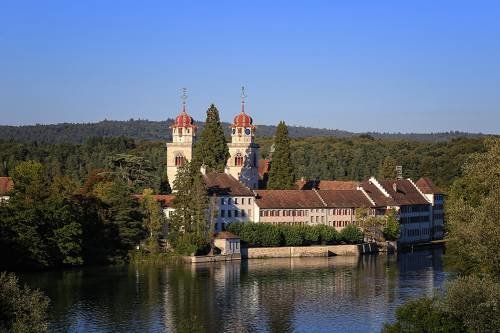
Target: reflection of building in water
[(280, 294)]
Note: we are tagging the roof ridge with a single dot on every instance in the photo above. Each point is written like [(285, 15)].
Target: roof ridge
[(320, 198), (421, 193)]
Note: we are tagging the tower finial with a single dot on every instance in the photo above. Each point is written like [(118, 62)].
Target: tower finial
[(243, 96), (184, 98)]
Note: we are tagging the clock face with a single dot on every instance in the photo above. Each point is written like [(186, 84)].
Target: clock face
[(247, 131)]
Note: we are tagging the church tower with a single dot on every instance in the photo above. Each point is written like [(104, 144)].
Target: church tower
[(180, 150), (244, 152)]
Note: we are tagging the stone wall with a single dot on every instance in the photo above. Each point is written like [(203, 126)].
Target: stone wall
[(309, 251)]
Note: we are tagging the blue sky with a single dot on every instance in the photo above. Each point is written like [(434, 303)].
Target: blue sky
[(390, 66)]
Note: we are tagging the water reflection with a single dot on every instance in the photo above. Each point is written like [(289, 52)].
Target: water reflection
[(346, 294)]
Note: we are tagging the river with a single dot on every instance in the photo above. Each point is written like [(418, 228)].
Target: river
[(336, 294)]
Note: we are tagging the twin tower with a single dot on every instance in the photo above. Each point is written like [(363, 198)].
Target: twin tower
[(244, 152)]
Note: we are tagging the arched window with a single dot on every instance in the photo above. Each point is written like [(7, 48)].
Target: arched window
[(179, 160), (238, 160)]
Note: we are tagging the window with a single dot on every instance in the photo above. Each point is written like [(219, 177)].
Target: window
[(223, 213), (242, 201), (238, 160), (222, 201), (236, 213), (235, 201), (229, 201), (229, 213), (242, 213), (179, 160), (249, 201), (249, 212)]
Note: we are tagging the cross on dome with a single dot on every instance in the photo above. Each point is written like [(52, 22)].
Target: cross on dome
[(183, 119), (242, 119)]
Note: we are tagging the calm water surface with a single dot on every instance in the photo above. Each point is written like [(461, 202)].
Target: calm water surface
[(337, 294)]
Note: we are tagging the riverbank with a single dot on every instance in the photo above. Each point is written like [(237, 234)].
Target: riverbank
[(290, 252)]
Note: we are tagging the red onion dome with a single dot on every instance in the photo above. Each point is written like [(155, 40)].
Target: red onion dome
[(242, 120), (183, 120)]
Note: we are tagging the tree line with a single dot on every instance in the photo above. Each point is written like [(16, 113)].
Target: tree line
[(355, 158), (139, 129)]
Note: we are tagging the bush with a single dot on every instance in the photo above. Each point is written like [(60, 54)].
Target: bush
[(423, 315), (311, 234), (21, 309), (293, 235), (351, 234), (271, 235), (327, 235), (190, 243)]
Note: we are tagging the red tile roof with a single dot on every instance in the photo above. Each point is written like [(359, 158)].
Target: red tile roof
[(426, 185), (222, 184), (376, 195), (403, 192), (226, 235), (344, 198), (6, 185), (327, 184), (288, 199)]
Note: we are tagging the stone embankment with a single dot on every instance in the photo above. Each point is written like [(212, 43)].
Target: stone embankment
[(309, 251)]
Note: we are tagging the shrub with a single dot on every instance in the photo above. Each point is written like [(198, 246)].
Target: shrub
[(327, 235), (21, 309), (270, 235), (250, 233), (190, 243), (293, 235), (311, 234), (351, 234)]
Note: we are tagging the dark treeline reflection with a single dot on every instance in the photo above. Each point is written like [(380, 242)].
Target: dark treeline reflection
[(302, 294)]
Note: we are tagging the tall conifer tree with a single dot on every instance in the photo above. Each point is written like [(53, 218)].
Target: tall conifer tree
[(211, 149), (281, 173)]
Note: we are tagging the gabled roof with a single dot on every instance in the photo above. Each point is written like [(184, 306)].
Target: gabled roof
[(6, 185), (327, 184), (222, 184), (403, 192), (288, 199), (426, 185), (376, 195), (344, 198)]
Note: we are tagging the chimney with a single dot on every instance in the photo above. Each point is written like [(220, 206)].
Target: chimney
[(399, 172)]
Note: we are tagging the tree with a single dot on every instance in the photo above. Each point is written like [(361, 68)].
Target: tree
[(423, 315), (391, 229), (387, 169), (281, 169), (470, 302), (472, 211), (211, 149), (189, 228), (351, 234), (165, 184), (21, 309), (153, 219), (136, 171)]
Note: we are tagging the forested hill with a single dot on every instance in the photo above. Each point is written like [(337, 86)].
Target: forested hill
[(159, 131)]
